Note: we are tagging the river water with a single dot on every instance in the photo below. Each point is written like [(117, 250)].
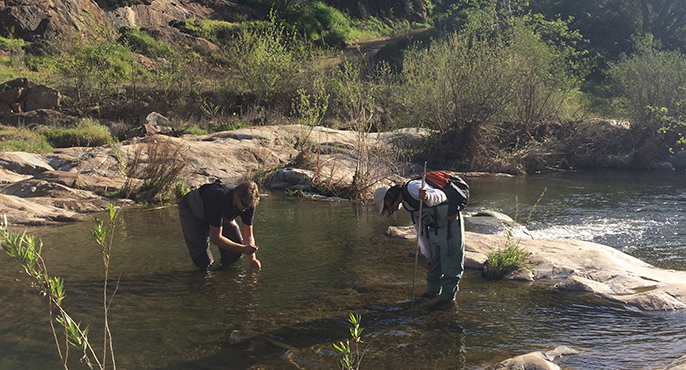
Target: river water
[(325, 260)]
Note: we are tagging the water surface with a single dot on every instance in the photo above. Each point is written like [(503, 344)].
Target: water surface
[(322, 261)]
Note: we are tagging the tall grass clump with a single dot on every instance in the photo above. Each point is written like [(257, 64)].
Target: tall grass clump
[(154, 169), (503, 261), (87, 132), (511, 256), (14, 139), (26, 250), (139, 42)]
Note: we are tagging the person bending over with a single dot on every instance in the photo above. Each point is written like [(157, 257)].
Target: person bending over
[(441, 239), (208, 215)]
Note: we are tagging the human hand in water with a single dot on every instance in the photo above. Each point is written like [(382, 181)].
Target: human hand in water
[(255, 263)]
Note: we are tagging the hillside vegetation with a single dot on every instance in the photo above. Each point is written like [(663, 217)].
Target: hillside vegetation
[(506, 85)]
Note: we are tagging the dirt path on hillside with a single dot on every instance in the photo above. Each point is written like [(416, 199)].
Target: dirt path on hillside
[(369, 48)]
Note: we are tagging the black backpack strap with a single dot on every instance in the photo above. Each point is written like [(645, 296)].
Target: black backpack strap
[(407, 198)]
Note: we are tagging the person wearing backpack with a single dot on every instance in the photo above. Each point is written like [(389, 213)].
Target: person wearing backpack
[(441, 240), (208, 214)]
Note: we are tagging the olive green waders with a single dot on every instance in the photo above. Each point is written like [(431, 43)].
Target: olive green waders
[(446, 239)]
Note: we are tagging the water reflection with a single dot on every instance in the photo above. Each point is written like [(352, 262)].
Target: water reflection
[(323, 261)]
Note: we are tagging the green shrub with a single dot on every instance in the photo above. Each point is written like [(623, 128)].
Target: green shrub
[(192, 130), (320, 23), (10, 44), (88, 133), (215, 31), (144, 44), (22, 140), (543, 79), (649, 78), (269, 61), (481, 94), (94, 71)]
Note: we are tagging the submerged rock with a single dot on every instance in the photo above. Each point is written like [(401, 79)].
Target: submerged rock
[(535, 360)]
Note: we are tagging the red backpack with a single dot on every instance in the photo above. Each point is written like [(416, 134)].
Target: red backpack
[(453, 186)]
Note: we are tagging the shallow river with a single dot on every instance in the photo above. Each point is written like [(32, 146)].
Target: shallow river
[(324, 260)]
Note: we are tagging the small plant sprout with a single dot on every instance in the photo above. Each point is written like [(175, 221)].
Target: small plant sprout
[(351, 357), (26, 250)]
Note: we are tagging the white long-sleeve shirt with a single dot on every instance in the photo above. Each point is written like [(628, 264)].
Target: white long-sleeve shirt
[(434, 198)]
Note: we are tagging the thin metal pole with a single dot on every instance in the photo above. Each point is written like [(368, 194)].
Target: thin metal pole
[(419, 232)]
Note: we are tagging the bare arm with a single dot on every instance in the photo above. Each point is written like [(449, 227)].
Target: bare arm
[(249, 239), (431, 197), (222, 242)]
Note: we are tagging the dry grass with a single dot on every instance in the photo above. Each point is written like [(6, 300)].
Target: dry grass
[(159, 163)]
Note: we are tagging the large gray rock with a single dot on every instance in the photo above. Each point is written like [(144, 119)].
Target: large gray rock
[(291, 179), (593, 268), (678, 160), (488, 222), (24, 163), (678, 364), (22, 95), (535, 360), (20, 211), (42, 97)]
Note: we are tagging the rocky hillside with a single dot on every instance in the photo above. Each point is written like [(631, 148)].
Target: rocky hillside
[(34, 20)]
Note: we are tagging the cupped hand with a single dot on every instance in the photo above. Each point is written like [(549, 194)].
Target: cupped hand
[(249, 249), (255, 263)]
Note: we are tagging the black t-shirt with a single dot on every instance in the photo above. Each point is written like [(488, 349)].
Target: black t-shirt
[(217, 199)]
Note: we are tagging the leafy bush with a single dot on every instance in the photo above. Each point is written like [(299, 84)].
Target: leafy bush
[(11, 43), (649, 78), (215, 31), (14, 139), (87, 133), (94, 71), (466, 85), (544, 78), (269, 62), (144, 44)]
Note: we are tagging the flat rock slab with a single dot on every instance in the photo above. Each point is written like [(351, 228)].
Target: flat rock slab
[(581, 266)]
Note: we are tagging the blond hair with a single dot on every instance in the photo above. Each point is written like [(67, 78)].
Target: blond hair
[(248, 193)]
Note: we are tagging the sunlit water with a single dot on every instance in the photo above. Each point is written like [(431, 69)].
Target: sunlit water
[(322, 261)]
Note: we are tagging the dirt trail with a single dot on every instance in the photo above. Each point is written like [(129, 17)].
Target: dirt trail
[(369, 48)]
